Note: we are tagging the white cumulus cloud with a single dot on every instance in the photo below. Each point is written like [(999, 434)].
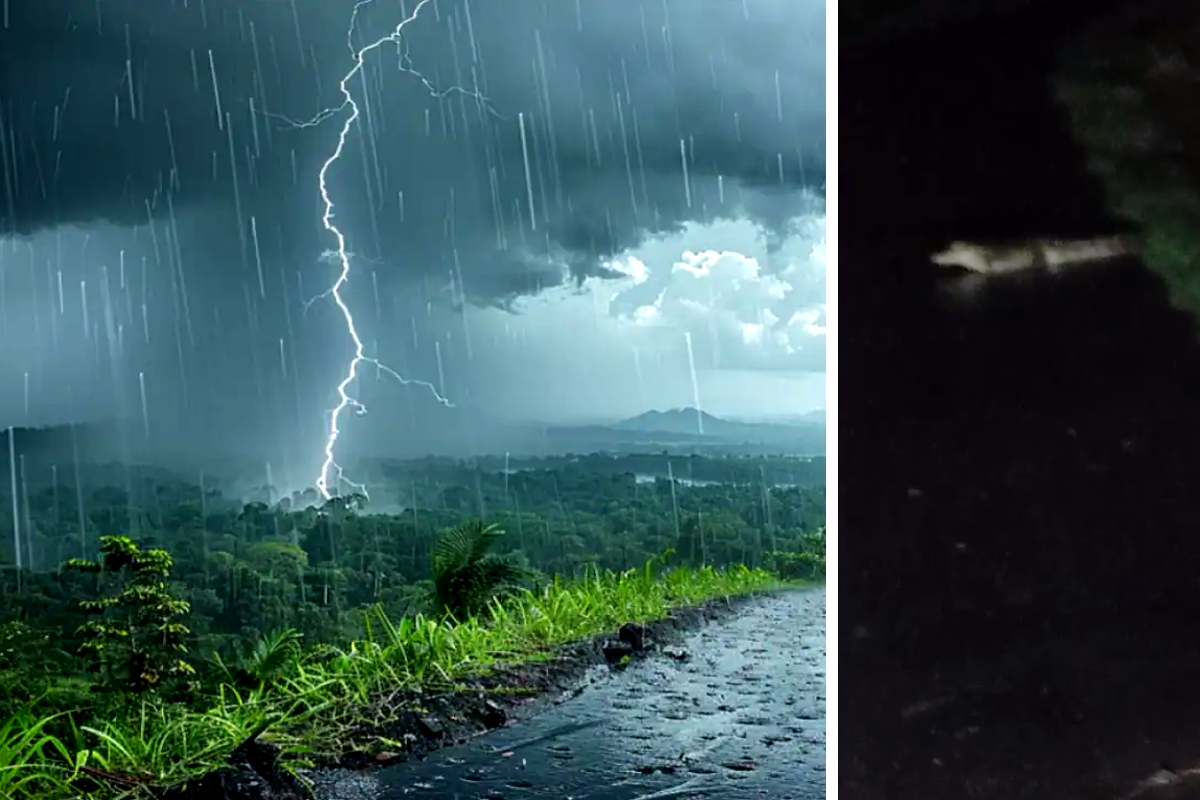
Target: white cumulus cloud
[(754, 311), (762, 311)]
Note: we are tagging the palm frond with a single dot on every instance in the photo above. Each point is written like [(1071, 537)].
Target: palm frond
[(453, 549), (482, 538), (465, 575), (271, 654)]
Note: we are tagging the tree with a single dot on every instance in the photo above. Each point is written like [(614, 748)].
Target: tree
[(137, 640), (808, 563), (465, 575)]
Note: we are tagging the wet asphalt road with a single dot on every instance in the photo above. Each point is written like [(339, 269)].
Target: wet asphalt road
[(742, 717)]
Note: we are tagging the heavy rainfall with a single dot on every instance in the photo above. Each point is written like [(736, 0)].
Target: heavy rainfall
[(375, 374)]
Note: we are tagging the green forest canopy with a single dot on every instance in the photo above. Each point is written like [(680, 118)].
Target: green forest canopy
[(249, 569)]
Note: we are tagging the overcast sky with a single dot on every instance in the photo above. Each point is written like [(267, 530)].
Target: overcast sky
[(543, 201)]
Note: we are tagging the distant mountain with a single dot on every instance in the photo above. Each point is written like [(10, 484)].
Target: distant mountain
[(814, 417), (460, 432), (697, 423), (677, 420), (423, 431), (88, 440)]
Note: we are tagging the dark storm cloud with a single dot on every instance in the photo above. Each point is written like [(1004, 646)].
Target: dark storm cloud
[(109, 105), (158, 239)]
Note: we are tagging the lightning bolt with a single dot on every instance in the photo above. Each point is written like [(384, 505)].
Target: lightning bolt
[(341, 256)]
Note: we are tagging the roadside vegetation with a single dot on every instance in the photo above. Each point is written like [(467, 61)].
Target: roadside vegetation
[(139, 666), (1127, 100)]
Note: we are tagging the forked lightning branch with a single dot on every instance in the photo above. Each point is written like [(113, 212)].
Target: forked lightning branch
[(342, 257)]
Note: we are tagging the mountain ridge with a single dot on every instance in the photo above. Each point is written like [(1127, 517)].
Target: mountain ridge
[(452, 433), (691, 420)]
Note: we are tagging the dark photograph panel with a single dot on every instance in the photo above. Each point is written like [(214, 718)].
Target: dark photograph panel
[(1019, 283)]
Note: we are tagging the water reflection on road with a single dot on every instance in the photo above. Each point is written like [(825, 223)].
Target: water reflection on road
[(743, 716)]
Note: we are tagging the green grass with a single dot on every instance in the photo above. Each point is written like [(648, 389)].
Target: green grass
[(320, 695)]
